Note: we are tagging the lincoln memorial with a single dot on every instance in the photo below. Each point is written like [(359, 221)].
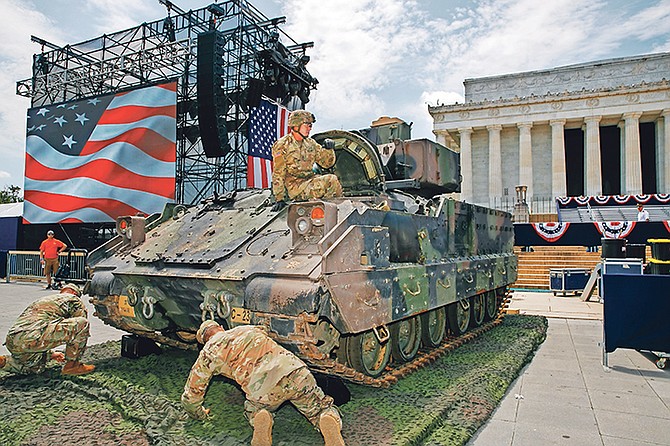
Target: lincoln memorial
[(597, 128)]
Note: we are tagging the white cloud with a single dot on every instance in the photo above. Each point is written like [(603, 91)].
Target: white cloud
[(117, 15), (372, 57), (363, 48), (16, 51)]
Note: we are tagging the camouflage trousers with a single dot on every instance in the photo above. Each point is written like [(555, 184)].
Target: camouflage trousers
[(32, 349), (318, 186), (300, 388)]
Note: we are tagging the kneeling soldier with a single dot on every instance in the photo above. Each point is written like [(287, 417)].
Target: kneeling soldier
[(268, 374), (47, 323)]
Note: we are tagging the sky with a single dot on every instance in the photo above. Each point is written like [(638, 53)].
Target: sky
[(372, 57)]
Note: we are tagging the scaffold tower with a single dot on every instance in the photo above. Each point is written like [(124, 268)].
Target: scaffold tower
[(253, 55)]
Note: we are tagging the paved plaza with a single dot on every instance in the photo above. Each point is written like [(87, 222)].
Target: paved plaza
[(566, 397)]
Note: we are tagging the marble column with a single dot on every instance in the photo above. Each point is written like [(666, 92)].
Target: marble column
[(466, 164), (441, 137), (594, 181), (665, 187), (633, 161), (495, 164), (525, 158), (559, 186)]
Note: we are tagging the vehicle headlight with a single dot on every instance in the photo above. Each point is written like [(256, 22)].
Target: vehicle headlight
[(303, 225)]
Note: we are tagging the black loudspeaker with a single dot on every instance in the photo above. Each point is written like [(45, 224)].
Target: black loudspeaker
[(254, 92), (212, 102)]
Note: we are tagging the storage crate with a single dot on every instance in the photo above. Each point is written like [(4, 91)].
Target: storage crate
[(568, 279)]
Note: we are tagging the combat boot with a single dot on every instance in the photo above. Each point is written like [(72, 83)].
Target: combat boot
[(330, 425), (3, 361), (262, 429), (77, 368)]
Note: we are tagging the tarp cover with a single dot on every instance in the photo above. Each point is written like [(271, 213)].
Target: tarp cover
[(637, 311)]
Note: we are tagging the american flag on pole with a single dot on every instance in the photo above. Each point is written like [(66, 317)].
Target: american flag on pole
[(268, 123), (93, 160)]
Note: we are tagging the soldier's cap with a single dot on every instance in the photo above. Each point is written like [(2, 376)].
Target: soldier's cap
[(298, 117), (73, 287), (200, 335)]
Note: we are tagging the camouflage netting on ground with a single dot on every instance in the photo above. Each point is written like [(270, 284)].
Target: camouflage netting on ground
[(136, 402)]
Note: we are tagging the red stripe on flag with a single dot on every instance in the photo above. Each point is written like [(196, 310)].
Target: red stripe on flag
[(68, 203), (106, 172), (172, 86), (133, 113), (150, 142)]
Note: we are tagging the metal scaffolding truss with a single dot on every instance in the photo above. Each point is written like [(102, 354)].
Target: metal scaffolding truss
[(166, 50)]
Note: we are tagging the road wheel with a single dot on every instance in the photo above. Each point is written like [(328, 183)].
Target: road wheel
[(478, 308), (491, 305), (433, 327), (458, 315), (405, 339), (366, 354)]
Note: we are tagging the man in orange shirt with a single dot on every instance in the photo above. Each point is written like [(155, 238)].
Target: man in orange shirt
[(49, 250)]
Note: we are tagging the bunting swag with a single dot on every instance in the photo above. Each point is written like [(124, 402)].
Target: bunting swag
[(90, 161), (550, 231), (612, 200), (587, 233), (615, 229)]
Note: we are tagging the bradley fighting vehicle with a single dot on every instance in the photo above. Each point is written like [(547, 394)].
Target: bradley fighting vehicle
[(362, 287)]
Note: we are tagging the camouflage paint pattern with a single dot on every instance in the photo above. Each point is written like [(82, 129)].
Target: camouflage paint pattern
[(293, 177), (268, 374), (47, 323), (365, 262)]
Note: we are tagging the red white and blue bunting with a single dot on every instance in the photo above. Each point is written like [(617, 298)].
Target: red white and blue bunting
[(551, 231), (614, 229), (612, 200)]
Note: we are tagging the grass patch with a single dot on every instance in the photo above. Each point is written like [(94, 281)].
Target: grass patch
[(442, 404)]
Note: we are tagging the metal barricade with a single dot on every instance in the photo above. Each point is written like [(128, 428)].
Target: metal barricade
[(26, 265)]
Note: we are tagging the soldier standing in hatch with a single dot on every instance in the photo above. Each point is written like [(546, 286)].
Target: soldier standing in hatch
[(294, 156), (269, 376), (47, 323)]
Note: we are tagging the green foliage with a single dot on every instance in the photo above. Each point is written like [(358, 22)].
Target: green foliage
[(10, 194)]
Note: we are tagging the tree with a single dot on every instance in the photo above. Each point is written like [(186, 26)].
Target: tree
[(11, 194)]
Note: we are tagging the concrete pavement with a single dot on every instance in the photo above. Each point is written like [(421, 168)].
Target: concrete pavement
[(566, 397)]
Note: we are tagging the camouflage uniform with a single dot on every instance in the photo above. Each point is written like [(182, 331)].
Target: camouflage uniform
[(292, 175), (268, 374), (47, 323)]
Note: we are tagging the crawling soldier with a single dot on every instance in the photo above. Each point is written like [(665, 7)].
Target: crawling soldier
[(268, 374)]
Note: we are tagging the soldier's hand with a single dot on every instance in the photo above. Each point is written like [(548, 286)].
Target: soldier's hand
[(329, 143), (278, 206), (58, 356), (206, 412)]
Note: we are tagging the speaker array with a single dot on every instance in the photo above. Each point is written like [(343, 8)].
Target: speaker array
[(212, 102)]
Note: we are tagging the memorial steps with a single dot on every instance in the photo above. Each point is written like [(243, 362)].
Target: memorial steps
[(534, 266)]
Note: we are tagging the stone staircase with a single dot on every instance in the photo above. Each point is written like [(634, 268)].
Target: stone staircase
[(534, 266)]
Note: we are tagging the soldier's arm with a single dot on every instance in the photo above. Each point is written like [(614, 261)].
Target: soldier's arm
[(324, 157), (278, 172), (195, 388), (79, 309)]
